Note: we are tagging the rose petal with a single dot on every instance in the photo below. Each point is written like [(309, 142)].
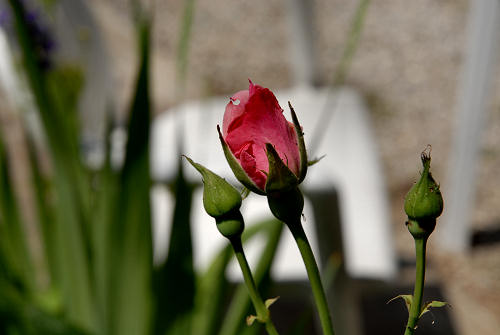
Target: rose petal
[(233, 110), (258, 119), (249, 164)]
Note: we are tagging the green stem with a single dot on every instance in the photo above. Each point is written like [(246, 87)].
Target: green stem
[(313, 274), (263, 314), (416, 305)]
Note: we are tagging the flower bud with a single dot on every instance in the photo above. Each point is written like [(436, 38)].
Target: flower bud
[(221, 201), (424, 202), (253, 122)]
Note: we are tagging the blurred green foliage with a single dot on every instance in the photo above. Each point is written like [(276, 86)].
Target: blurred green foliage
[(95, 226)]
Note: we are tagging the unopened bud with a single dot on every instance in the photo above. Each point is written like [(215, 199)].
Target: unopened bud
[(221, 201), (424, 202)]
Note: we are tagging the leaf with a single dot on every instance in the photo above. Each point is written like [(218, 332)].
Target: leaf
[(68, 180), (18, 312), (251, 319), (408, 298), (270, 301), (315, 160), (13, 241), (212, 289), (44, 203), (432, 304), (353, 38), (130, 241), (174, 281), (183, 46), (106, 195)]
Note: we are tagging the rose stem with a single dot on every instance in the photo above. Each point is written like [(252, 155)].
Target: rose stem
[(313, 274), (263, 314), (416, 305)]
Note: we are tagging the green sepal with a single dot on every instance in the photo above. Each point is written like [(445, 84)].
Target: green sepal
[(315, 160), (408, 299), (238, 171), (301, 144), (270, 301), (280, 178), (219, 197), (432, 304), (424, 201), (251, 319)]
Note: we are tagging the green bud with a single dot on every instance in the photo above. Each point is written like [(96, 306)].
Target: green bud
[(424, 202), (221, 201)]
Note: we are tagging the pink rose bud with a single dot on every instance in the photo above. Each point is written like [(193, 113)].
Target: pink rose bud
[(253, 123)]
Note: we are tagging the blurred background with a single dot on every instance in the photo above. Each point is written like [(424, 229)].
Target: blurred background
[(406, 60), (407, 68)]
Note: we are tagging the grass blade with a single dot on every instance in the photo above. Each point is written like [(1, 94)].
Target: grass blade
[(130, 239), (213, 288), (175, 279), (12, 235), (68, 180)]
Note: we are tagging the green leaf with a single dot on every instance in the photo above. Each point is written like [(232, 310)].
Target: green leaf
[(64, 85), (13, 240), (212, 289), (43, 192), (251, 319), (18, 312), (106, 194), (432, 304), (130, 264), (175, 280), (183, 46), (314, 161), (70, 231), (408, 299), (270, 301), (353, 38)]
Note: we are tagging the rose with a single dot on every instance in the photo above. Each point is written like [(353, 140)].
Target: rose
[(264, 150)]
